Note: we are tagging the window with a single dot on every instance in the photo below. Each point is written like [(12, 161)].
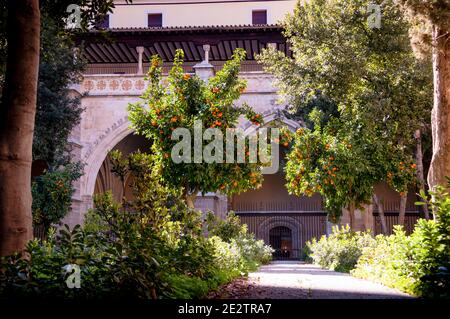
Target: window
[(103, 24), (259, 17), (155, 20)]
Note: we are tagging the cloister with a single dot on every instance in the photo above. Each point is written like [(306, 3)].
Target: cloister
[(115, 77)]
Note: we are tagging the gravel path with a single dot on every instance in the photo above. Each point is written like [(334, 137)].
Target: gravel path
[(295, 280)]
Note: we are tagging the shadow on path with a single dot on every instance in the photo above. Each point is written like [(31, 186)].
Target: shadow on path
[(297, 280)]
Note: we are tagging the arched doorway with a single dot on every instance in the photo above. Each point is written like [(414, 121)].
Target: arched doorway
[(272, 206), (107, 181), (280, 238)]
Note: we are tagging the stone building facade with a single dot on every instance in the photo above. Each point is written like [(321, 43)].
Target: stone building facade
[(208, 32)]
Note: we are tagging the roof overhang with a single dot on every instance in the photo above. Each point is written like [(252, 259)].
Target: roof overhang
[(119, 45)]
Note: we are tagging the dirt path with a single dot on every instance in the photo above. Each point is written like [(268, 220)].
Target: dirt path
[(295, 280)]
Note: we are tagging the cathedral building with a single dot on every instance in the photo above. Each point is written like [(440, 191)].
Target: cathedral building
[(208, 31)]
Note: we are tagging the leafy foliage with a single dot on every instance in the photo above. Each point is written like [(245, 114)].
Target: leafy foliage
[(52, 195), (332, 166), (353, 65), (43, 274), (92, 13), (230, 230), (305, 105), (187, 99), (387, 261), (381, 92), (340, 251), (57, 111), (149, 247), (424, 14), (418, 264), (226, 229)]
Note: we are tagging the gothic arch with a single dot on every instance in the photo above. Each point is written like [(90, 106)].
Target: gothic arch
[(282, 221), (270, 117), (96, 155)]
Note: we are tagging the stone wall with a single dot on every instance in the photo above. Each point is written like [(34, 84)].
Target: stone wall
[(104, 124)]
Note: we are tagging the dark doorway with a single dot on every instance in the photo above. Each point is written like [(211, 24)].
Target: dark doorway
[(281, 240)]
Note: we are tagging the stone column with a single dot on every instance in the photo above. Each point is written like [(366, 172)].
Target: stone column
[(140, 51), (359, 220), (221, 205), (369, 222), (204, 70), (329, 227), (363, 218), (345, 218)]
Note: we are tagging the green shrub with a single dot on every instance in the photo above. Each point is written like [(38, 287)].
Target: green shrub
[(431, 249), (52, 195), (150, 247), (185, 287), (226, 229), (43, 273), (418, 264), (253, 252), (340, 250), (387, 260)]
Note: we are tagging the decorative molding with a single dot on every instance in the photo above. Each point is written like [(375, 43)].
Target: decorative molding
[(113, 85), (109, 130), (135, 85)]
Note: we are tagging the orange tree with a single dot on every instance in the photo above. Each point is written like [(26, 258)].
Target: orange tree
[(326, 163), (382, 93), (343, 161), (182, 100)]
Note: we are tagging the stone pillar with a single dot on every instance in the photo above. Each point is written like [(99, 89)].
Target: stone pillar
[(345, 218), (204, 70), (78, 210), (140, 51), (363, 218), (221, 205), (359, 220), (329, 227), (369, 222)]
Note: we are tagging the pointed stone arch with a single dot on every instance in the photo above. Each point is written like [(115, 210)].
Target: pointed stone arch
[(272, 116), (283, 221), (95, 158)]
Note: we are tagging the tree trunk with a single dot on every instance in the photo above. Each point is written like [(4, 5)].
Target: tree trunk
[(17, 113), (420, 174), (440, 115), (190, 200), (351, 213), (402, 210), (381, 214)]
